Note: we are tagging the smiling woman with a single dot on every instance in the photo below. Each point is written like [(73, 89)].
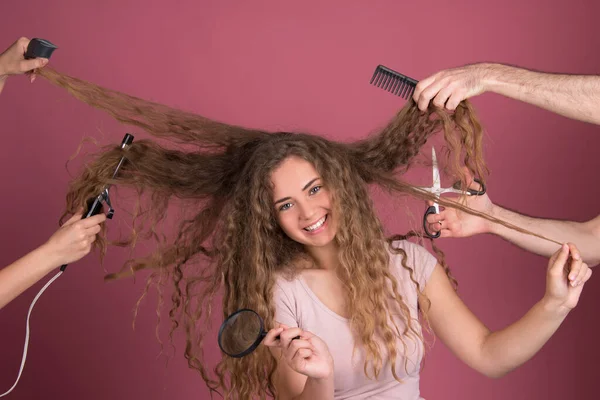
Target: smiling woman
[(283, 224), (303, 212)]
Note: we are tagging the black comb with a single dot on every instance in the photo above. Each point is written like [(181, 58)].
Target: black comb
[(394, 82)]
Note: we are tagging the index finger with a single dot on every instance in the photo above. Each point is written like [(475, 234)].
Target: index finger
[(288, 335), (270, 339), (93, 220), (75, 217), (23, 42), (422, 85)]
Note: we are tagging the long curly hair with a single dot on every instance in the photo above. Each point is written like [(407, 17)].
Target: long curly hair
[(229, 244)]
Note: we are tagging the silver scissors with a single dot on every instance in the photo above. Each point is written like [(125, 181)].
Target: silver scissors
[(437, 190)]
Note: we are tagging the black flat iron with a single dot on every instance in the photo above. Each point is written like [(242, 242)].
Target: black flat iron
[(40, 48)]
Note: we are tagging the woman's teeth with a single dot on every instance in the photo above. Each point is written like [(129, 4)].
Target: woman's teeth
[(316, 225)]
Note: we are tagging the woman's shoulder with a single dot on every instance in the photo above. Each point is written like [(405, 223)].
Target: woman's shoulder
[(287, 280), (419, 261), (410, 248)]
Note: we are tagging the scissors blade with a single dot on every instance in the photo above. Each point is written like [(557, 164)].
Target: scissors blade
[(436, 178)]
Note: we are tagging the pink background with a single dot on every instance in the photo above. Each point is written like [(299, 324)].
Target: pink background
[(302, 67)]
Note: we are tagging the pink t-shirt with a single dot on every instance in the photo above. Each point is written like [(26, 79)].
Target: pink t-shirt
[(297, 305)]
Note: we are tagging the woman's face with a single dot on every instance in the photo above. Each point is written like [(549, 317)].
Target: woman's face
[(302, 203)]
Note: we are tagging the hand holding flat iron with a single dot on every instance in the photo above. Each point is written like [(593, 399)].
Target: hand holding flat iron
[(13, 61)]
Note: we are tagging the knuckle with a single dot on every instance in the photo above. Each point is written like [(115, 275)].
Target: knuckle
[(457, 96), (428, 93), (438, 102)]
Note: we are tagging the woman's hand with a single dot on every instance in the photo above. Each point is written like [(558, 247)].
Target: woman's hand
[(560, 292), (74, 239), (13, 62), (307, 355)]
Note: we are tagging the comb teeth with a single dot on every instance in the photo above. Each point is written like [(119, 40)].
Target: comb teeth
[(394, 82)]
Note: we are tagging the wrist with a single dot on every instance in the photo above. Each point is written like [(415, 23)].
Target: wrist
[(489, 226), (324, 376), (49, 258), (554, 307), (493, 77), (321, 388)]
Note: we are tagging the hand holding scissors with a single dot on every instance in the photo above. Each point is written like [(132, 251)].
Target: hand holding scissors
[(437, 190)]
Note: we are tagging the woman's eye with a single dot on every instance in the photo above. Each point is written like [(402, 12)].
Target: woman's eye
[(315, 189), (285, 206)]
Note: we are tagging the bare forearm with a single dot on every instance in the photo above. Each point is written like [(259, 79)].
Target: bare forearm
[(317, 389), (2, 81), (23, 273), (3, 74), (507, 349), (579, 233), (573, 96)]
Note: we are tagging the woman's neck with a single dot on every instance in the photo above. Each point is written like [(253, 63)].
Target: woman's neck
[(325, 257)]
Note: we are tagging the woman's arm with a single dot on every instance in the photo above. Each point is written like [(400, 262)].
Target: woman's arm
[(495, 354), (70, 243), (573, 96)]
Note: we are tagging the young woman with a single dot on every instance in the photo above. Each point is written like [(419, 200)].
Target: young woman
[(283, 223)]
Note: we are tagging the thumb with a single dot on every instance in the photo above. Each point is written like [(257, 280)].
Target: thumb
[(28, 65), (558, 260), (469, 179), (468, 174)]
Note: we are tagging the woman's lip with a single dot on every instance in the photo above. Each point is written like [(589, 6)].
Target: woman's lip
[(319, 229)]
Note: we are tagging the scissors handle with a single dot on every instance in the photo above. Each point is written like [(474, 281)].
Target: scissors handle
[(473, 192), (430, 210)]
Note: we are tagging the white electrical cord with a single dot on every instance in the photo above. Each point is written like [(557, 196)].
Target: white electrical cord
[(27, 331)]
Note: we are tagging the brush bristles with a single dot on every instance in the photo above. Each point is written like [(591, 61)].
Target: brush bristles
[(393, 82)]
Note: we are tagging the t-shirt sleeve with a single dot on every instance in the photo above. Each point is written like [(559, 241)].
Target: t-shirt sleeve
[(418, 258), (285, 305)]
